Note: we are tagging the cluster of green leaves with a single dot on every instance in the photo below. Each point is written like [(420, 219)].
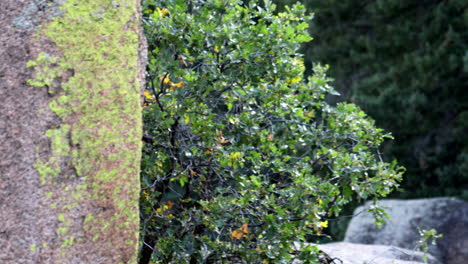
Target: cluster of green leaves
[(243, 159), (427, 237), (406, 64)]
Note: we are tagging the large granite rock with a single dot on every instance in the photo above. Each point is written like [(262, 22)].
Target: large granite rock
[(72, 75), (447, 215), (349, 253)]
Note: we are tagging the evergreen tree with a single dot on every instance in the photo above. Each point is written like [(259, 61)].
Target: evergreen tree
[(406, 64)]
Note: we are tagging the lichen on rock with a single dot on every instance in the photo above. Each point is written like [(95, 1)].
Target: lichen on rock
[(93, 77)]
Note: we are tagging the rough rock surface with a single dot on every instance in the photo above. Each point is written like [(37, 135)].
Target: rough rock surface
[(22, 131), (349, 253), (447, 215), (55, 205)]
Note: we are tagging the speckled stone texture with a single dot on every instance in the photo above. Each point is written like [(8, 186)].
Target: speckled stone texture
[(24, 218), (36, 226), (448, 216)]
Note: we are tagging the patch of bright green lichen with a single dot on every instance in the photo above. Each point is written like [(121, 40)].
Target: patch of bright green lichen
[(47, 73), (33, 248), (99, 43), (60, 148)]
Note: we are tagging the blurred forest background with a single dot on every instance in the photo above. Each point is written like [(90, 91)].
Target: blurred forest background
[(405, 63)]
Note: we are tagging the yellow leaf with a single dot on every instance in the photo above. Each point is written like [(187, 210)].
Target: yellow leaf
[(237, 234), (240, 232), (324, 224), (245, 228), (294, 80), (145, 195), (235, 155), (148, 95), (221, 139), (179, 84), (165, 79), (208, 151), (170, 204), (163, 11)]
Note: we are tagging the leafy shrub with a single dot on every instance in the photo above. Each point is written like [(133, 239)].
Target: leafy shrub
[(243, 158)]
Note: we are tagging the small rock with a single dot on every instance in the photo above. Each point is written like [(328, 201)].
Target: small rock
[(448, 216), (349, 253)]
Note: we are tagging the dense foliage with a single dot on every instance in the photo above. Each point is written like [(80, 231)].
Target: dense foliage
[(406, 64), (243, 158)]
